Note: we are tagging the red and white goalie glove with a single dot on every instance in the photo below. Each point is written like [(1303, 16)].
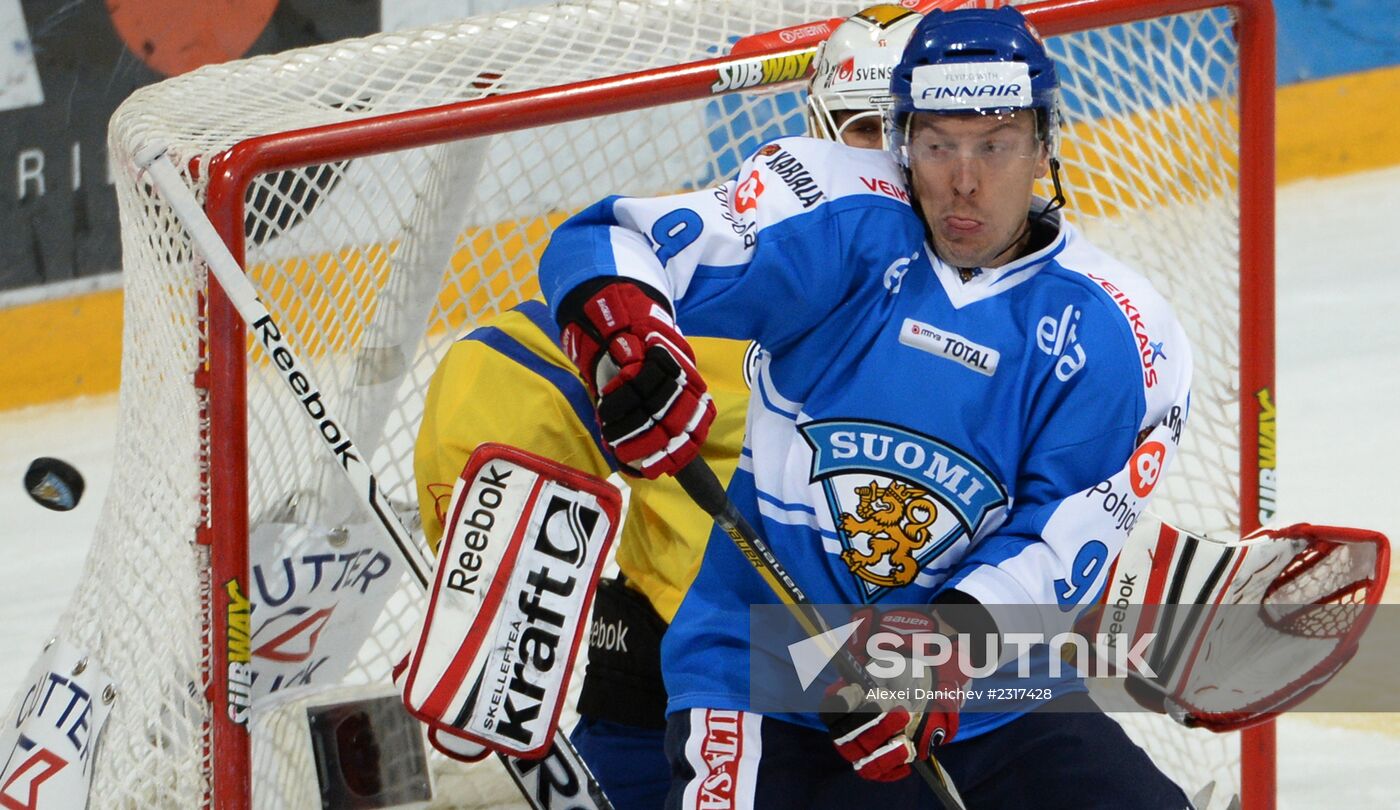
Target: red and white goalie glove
[(882, 738), (652, 404), (1246, 628)]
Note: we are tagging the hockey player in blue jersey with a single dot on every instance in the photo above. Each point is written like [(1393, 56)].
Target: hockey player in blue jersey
[(961, 402)]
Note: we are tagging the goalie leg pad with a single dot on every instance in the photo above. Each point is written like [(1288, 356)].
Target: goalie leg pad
[(524, 544)]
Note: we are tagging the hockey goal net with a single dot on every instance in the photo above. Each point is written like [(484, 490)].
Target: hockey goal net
[(386, 194)]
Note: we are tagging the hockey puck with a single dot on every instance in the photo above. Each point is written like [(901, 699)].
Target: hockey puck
[(53, 484)]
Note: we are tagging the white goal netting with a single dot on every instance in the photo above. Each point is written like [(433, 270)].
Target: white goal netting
[(373, 259)]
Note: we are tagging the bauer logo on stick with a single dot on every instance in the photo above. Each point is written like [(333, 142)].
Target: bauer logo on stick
[(525, 543)]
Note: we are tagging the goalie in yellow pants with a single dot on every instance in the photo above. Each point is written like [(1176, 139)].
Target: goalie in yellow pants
[(509, 382)]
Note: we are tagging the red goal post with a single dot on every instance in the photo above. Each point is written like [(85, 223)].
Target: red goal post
[(1135, 190)]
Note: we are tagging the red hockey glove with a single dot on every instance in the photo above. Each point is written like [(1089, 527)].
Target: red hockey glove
[(652, 405), (881, 738)]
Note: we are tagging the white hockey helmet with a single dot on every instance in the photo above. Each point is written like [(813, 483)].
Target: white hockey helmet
[(853, 68)]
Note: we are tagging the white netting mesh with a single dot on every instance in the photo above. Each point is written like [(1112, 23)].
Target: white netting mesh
[(372, 264)]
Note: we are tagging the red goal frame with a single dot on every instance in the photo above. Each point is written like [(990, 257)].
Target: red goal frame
[(223, 374)]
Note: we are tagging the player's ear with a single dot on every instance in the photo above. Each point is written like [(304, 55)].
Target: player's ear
[(1042, 161)]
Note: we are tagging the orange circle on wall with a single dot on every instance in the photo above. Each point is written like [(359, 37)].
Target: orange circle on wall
[(175, 36)]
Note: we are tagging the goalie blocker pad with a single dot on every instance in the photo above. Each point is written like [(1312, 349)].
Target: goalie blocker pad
[(524, 543), (1244, 629)]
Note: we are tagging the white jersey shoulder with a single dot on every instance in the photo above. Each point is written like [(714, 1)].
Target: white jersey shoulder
[(791, 176), (779, 193), (1164, 353)]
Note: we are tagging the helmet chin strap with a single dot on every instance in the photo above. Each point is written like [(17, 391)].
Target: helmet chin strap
[(1058, 201)]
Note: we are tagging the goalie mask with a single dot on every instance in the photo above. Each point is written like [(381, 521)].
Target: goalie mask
[(853, 69)]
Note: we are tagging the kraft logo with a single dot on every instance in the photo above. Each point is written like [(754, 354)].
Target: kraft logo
[(565, 530)]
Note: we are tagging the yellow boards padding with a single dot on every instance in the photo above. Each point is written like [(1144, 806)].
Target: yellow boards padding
[(59, 349), (325, 302)]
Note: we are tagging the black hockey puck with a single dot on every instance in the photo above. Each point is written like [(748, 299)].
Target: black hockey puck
[(53, 484)]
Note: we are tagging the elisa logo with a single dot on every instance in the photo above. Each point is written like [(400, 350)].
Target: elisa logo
[(747, 194), (1145, 467), (1057, 337)]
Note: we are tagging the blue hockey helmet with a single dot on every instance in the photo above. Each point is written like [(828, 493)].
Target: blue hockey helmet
[(973, 61)]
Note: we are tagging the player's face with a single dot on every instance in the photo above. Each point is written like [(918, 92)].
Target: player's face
[(863, 129), (973, 176)]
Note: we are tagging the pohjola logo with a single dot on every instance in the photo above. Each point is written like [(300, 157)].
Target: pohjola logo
[(541, 610)]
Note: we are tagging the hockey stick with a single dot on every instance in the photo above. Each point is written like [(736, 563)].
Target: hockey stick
[(700, 483), (562, 778)]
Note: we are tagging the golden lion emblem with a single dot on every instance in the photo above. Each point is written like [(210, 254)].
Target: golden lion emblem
[(897, 518)]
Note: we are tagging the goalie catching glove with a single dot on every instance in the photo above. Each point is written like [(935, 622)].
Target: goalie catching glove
[(652, 404), (882, 739), (1242, 630)]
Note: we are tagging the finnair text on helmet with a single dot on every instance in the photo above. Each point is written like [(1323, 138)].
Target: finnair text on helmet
[(951, 87), (1012, 91)]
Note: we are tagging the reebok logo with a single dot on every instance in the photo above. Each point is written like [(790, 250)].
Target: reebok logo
[(330, 431), (608, 636)]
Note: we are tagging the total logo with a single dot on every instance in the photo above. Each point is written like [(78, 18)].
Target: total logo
[(1057, 338), (747, 194)]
